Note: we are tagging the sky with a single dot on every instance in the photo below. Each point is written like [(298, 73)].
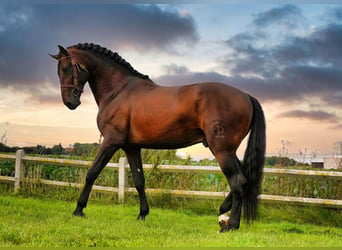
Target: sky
[(287, 55)]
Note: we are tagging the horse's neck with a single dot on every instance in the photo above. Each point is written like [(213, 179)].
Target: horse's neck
[(109, 80), (105, 85)]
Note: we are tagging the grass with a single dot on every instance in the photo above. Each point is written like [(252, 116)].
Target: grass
[(48, 223)]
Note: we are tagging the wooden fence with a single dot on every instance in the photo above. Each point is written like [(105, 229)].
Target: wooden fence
[(123, 167)]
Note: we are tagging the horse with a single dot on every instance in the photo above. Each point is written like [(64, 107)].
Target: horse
[(134, 113)]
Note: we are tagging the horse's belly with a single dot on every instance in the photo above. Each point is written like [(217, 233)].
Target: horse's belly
[(167, 138)]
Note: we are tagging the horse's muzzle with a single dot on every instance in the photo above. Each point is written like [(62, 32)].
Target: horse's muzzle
[(72, 105)]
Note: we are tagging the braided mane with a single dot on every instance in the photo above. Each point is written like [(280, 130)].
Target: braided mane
[(110, 54)]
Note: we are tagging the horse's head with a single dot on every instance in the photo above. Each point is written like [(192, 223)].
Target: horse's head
[(72, 75)]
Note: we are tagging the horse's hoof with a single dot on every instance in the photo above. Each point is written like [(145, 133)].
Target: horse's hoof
[(223, 220), (141, 217), (224, 224), (78, 214), (228, 228)]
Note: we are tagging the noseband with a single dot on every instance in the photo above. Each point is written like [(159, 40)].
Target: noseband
[(76, 68)]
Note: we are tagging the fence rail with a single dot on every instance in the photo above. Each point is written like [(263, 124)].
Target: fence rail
[(123, 167)]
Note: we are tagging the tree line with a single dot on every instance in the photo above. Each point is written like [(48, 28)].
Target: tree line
[(88, 151), (37, 150), (156, 157)]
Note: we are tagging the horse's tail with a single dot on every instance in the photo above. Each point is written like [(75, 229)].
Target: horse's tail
[(253, 161)]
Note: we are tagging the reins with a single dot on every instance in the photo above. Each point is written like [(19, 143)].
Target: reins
[(76, 68)]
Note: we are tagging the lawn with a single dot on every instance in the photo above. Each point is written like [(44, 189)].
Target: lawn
[(48, 223)]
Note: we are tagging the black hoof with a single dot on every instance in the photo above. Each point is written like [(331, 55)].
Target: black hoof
[(228, 228), (141, 217), (143, 213), (78, 214)]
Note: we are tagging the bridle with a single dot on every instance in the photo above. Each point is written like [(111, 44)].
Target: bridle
[(76, 68)]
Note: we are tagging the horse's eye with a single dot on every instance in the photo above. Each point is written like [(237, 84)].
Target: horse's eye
[(65, 69)]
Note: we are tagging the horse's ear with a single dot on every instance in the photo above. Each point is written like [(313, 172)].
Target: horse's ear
[(62, 52), (55, 56)]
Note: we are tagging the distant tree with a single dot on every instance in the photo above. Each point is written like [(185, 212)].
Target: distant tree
[(6, 149), (271, 161), (280, 161), (285, 161), (85, 149), (57, 149)]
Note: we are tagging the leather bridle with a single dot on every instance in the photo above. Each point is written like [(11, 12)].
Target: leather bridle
[(76, 68)]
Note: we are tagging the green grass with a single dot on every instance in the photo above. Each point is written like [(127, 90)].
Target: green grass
[(48, 223)]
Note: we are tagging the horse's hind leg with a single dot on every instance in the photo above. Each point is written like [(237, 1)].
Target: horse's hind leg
[(134, 160), (231, 168)]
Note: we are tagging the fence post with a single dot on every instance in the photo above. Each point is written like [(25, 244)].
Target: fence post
[(123, 179), (19, 169)]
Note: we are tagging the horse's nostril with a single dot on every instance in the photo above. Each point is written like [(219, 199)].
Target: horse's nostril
[(76, 92)]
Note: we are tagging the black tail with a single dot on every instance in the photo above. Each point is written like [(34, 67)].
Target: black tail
[(253, 161)]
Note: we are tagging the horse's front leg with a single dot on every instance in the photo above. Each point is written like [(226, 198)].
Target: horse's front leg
[(102, 158), (134, 160)]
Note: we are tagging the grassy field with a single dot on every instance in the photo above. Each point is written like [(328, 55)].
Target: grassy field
[(48, 223)]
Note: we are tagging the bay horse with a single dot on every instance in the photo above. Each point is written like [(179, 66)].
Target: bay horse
[(135, 113)]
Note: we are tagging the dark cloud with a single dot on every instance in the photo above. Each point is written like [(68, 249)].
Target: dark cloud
[(318, 115), (321, 47), (296, 83), (29, 33), (288, 15), (334, 99)]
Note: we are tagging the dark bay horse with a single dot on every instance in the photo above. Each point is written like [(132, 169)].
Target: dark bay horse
[(136, 113)]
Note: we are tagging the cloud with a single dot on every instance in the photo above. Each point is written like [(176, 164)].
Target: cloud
[(318, 115), (44, 99), (335, 14), (336, 127), (334, 99), (174, 69), (289, 67), (29, 32), (181, 75), (295, 68), (320, 47), (288, 15)]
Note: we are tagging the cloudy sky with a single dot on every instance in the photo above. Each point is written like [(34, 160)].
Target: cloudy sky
[(288, 56)]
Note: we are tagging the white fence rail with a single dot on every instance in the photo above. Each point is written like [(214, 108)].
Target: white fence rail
[(123, 167)]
